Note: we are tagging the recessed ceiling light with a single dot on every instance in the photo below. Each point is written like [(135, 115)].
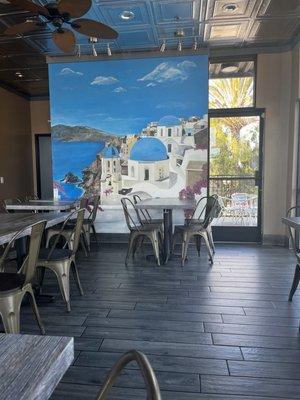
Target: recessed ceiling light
[(229, 68), (230, 7), (127, 15)]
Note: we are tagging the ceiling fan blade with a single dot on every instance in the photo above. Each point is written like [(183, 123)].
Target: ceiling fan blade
[(64, 40), (95, 29), (29, 6), (75, 9), (22, 28)]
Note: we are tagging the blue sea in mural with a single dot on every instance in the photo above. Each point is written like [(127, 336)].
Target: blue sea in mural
[(72, 157)]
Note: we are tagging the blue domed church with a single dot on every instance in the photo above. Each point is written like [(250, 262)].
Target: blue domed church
[(148, 162)]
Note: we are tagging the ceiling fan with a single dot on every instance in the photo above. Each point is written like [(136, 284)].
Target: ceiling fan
[(60, 14)]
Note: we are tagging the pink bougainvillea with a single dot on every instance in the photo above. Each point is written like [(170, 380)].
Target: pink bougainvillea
[(189, 193)]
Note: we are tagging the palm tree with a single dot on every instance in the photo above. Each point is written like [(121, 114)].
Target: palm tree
[(231, 93)]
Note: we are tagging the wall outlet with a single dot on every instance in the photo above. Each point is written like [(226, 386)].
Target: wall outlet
[(1, 179)]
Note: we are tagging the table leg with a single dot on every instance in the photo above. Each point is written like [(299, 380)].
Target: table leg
[(168, 233)]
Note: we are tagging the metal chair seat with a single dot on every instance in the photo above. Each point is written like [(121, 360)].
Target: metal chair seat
[(56, 254), (146, 228), (10, 281)]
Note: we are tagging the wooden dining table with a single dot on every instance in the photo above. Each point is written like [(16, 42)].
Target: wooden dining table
[(11, 223), (41, 205), (166, 206), (32, 366)]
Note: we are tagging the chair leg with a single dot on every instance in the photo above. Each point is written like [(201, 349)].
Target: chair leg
[(154, 240), (82, 242), (198, 244), (35, 310), (295, 283), (10, 312), (211, 239), (130, 247), (210, 253), (137, 244), (63, 278), (94, 233), (184, 249), (76, 277)]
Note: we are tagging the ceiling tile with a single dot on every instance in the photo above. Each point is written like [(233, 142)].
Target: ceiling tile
[(216, 9), (225, 31), (276, 8), (174, 10), (273, 29), (111, 12)]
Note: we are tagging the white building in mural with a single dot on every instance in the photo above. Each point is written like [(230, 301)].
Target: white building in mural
[(111, 170), (148, 162)]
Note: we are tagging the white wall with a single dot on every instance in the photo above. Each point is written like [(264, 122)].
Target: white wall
[(277, 77)]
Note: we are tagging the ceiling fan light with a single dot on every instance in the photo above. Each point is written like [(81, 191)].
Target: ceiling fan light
[(229, 68), (108, 51), (163, 46)]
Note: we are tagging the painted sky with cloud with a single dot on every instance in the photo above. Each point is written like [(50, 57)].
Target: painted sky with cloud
[(123, 96)]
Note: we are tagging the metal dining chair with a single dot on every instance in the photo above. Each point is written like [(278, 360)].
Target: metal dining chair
[(68, 230), (89, 222), (151, 383), (61, 261), (139, 231), (199, 226), (144, 215), (295, 244), (14, 286)]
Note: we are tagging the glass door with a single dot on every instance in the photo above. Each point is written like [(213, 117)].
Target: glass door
[(235, 173)]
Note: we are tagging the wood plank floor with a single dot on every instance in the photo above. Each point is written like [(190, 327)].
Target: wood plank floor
[(215, 333)]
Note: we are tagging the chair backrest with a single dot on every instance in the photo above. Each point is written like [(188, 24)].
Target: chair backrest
[(95, 200), (150, 380), (292, 212), (75, 235), (205, 210), (130, 213), (144, 215), (28, 267)]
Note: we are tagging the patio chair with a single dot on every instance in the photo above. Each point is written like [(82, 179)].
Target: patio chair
[(139, 231), (3, 207), (144, 215), (61, 261), (68, 231), (14, 285), (198, 227), (152, 386), (89, 222), (295, 244)]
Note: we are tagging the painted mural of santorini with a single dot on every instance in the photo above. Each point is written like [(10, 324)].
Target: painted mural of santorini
[(168, 156), (130, 126)]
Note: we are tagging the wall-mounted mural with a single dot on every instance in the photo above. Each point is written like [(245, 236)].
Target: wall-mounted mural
[(128, 126)]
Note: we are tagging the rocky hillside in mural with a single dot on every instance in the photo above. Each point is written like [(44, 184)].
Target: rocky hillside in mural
[(67, 133)]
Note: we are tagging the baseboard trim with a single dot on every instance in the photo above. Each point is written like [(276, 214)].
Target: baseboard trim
[(275, 240)]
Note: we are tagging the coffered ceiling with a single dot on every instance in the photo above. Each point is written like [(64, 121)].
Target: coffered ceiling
[(214, 24)]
